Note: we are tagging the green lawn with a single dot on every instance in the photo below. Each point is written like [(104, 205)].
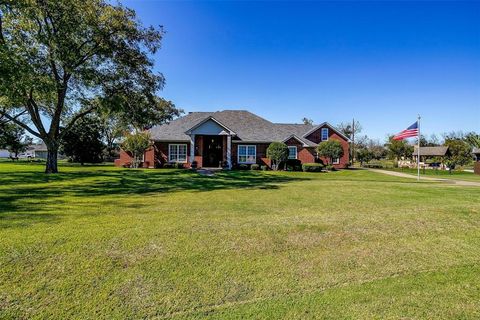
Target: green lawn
[(102, 242), (442, 174)]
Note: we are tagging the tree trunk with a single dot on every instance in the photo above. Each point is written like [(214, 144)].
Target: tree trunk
[(51, 166)]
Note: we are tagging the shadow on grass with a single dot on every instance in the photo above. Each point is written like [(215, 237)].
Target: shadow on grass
[(26, 196)]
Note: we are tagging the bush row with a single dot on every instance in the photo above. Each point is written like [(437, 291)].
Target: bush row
[(312, 167)]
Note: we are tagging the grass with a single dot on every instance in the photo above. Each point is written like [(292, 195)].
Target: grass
[(442, 174), (102, 242)]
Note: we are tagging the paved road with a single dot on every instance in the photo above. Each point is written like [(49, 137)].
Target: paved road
[(406, 175)]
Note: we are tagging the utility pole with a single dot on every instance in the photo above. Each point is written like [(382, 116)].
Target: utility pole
[(353, 141)]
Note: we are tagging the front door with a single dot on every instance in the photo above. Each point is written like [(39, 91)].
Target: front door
[(212, 151)]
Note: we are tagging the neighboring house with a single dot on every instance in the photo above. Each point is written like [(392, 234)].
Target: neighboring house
[(39, 151), (431, 157), (4, 153), (476, 166), (476, 153), (232, 137)]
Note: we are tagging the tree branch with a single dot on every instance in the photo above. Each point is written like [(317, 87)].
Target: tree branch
[(74, 119), (35, 114), (2, 39), (20, 123)]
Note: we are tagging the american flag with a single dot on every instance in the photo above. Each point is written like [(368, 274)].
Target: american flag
[(411, 131)]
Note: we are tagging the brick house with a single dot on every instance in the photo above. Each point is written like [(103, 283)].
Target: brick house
[(232, 137)]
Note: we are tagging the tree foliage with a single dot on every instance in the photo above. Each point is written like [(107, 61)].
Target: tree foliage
[(396, 149), (459, 153), (12, 138), (330, 149), (306, 120), (364, 155), (83, 143), (472, 139), (350, 128), (59, 58), (277, 152), (136, 144)]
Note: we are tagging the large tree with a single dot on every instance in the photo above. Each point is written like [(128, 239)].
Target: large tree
[(58, 58), (83, 143)]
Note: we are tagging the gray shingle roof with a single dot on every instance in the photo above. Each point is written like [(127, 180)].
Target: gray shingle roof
[(431, 151), (248, 127)]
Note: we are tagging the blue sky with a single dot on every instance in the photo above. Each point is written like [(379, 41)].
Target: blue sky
[(380, 62)]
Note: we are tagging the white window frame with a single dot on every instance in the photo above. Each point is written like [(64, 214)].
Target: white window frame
[(296, 152), (174, 157), (247, 146), (321, 134), (336, 161)]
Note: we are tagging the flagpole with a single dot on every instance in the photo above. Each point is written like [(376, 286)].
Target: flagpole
[(418, 150)]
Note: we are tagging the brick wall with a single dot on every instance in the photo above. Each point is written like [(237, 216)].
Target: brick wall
[(316, 137)]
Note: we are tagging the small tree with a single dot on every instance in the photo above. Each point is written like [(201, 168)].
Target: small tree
[(136, 144), (459, 153), (83, 143), (364, 155), (330, 149), (398, 148), (277, 152), (12, 138)]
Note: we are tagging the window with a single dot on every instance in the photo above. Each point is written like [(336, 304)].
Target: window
[(292, 152), (336, 160), (247, 154), (177, 153), (324, 134)]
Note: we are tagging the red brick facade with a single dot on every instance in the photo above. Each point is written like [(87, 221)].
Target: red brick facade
[(157, 156)]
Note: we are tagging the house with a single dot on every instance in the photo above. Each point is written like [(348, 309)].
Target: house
[(431, 157), (476, 153), (232, 137), (4, 153), (476, 166), (38, 151)]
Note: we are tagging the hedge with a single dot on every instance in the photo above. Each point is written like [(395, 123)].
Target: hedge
[(312, 167)]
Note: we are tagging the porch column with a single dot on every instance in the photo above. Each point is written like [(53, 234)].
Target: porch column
[(229, 152), (192, 148)]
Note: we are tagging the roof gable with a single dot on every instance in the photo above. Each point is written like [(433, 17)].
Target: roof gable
[(210, 126), (326, 124)]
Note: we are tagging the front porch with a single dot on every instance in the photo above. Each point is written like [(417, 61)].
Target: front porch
[(210, 144), (211, 151)]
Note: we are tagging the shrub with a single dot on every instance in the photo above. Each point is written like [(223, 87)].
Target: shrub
[(374, 165), (167, 165), (178, 165), (264, 168), (312, 167), (294, 165), (243, 166), (277, 152), (255, 167), (194, 164), (330, 167)]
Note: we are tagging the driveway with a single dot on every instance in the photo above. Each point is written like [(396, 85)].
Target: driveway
[(406, 175)]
